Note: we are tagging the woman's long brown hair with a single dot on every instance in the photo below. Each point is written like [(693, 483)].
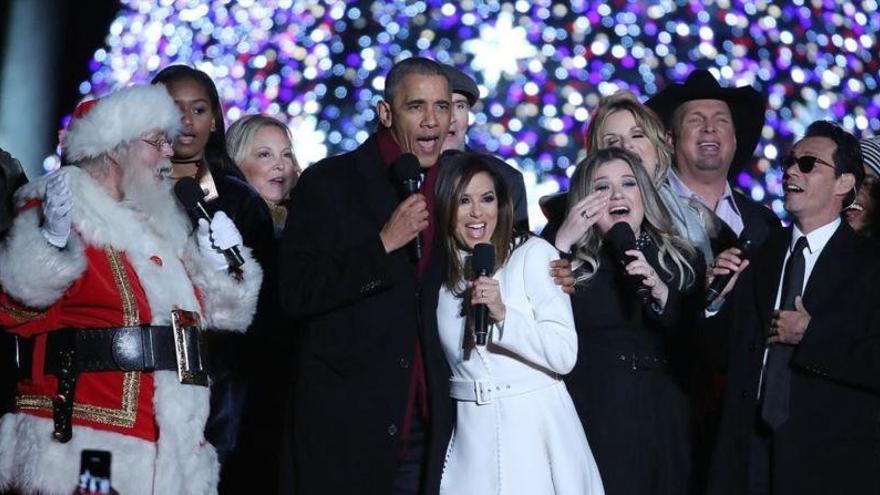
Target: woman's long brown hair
[(456, 172)]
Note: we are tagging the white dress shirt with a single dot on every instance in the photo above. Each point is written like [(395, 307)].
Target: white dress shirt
[(816, 241)]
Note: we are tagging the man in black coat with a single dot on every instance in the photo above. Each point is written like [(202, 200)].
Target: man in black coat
[(346, 271), (11, 178), (715, 131), (806, 422), (465, 94)]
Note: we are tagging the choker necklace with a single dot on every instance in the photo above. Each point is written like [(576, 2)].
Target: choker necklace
[(184, 162)]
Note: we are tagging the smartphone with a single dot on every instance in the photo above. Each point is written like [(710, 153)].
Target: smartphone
[(94, 473)]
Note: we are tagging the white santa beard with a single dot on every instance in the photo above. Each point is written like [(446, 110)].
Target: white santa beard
[(155, 201)]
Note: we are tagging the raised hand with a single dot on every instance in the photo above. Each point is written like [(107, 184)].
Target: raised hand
[(583, 215), (57, 209), (487, 290), (408, 219), (216, 237), (640, 267), (727, 261)]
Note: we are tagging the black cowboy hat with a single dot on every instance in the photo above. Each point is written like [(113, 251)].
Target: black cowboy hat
[(746, 104)]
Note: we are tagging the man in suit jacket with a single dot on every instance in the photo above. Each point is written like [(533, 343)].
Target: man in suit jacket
[(465, 94), (345, 270), (816, 430)]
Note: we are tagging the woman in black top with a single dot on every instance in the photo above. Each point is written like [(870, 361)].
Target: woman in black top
[(625, 384), (200, 153)]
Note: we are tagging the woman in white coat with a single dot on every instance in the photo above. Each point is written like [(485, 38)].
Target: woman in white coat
[(515, 427)]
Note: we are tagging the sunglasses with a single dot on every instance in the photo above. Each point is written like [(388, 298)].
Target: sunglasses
[(805, 163)]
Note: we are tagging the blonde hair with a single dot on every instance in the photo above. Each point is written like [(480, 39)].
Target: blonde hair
[(644, 117), (240, 136), (656, 224)]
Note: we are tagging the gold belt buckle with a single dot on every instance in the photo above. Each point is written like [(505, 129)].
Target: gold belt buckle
[(187, 326)]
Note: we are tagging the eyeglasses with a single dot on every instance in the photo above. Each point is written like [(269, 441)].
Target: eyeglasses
[(158, 143), (805, 163)]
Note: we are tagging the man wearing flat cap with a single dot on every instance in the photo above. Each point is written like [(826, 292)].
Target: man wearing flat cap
[(465, 94), (803, 392), (715, 131)]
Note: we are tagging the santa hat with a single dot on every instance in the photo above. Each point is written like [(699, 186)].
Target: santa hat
[(100, 125)]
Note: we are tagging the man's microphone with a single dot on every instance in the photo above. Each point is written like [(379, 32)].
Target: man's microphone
[(190, 195), (752, 237), (408, 172), (482, 262), (621, 238)]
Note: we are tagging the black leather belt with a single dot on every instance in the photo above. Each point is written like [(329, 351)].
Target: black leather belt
[(143, 348), (72, 351)]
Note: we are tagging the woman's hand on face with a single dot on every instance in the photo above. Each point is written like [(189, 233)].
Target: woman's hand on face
[(583, 215), (486, 290), (639, 266)]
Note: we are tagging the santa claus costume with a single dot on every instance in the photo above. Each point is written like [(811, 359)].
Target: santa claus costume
[(122, 266)]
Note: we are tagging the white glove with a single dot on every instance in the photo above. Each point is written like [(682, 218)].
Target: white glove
[(213, 239), (57, 209)]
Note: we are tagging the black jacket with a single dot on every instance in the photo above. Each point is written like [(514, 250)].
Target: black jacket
[(831, 441), (359, 312)]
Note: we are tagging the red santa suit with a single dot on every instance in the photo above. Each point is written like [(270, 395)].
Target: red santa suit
[(121, 267)]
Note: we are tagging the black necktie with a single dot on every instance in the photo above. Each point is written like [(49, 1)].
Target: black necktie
[(778, 379)]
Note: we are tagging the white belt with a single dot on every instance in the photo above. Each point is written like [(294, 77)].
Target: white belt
[(485, 391)]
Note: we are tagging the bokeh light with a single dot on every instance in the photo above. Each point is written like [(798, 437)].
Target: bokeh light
[(541, 65)]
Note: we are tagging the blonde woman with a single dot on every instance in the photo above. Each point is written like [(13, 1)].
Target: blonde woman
[(626, 383), (261, 147), (621, 121)]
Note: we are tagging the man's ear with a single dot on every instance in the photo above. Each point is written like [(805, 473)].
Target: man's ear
[(845, 183), (383, 108), (844, 186)]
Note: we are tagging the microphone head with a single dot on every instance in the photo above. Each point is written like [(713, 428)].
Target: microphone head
[(188, 192), (620, 238), (406, 168), (483, 258)]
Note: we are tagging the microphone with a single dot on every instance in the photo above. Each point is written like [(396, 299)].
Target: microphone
[(621, 238), (408, 172), (752, 237), (482, 262), (190, 195)]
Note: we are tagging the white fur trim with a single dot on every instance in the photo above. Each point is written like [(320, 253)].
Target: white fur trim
[(184, 462), (119, 118), (229, 303), (34, 272), (31, 461)]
